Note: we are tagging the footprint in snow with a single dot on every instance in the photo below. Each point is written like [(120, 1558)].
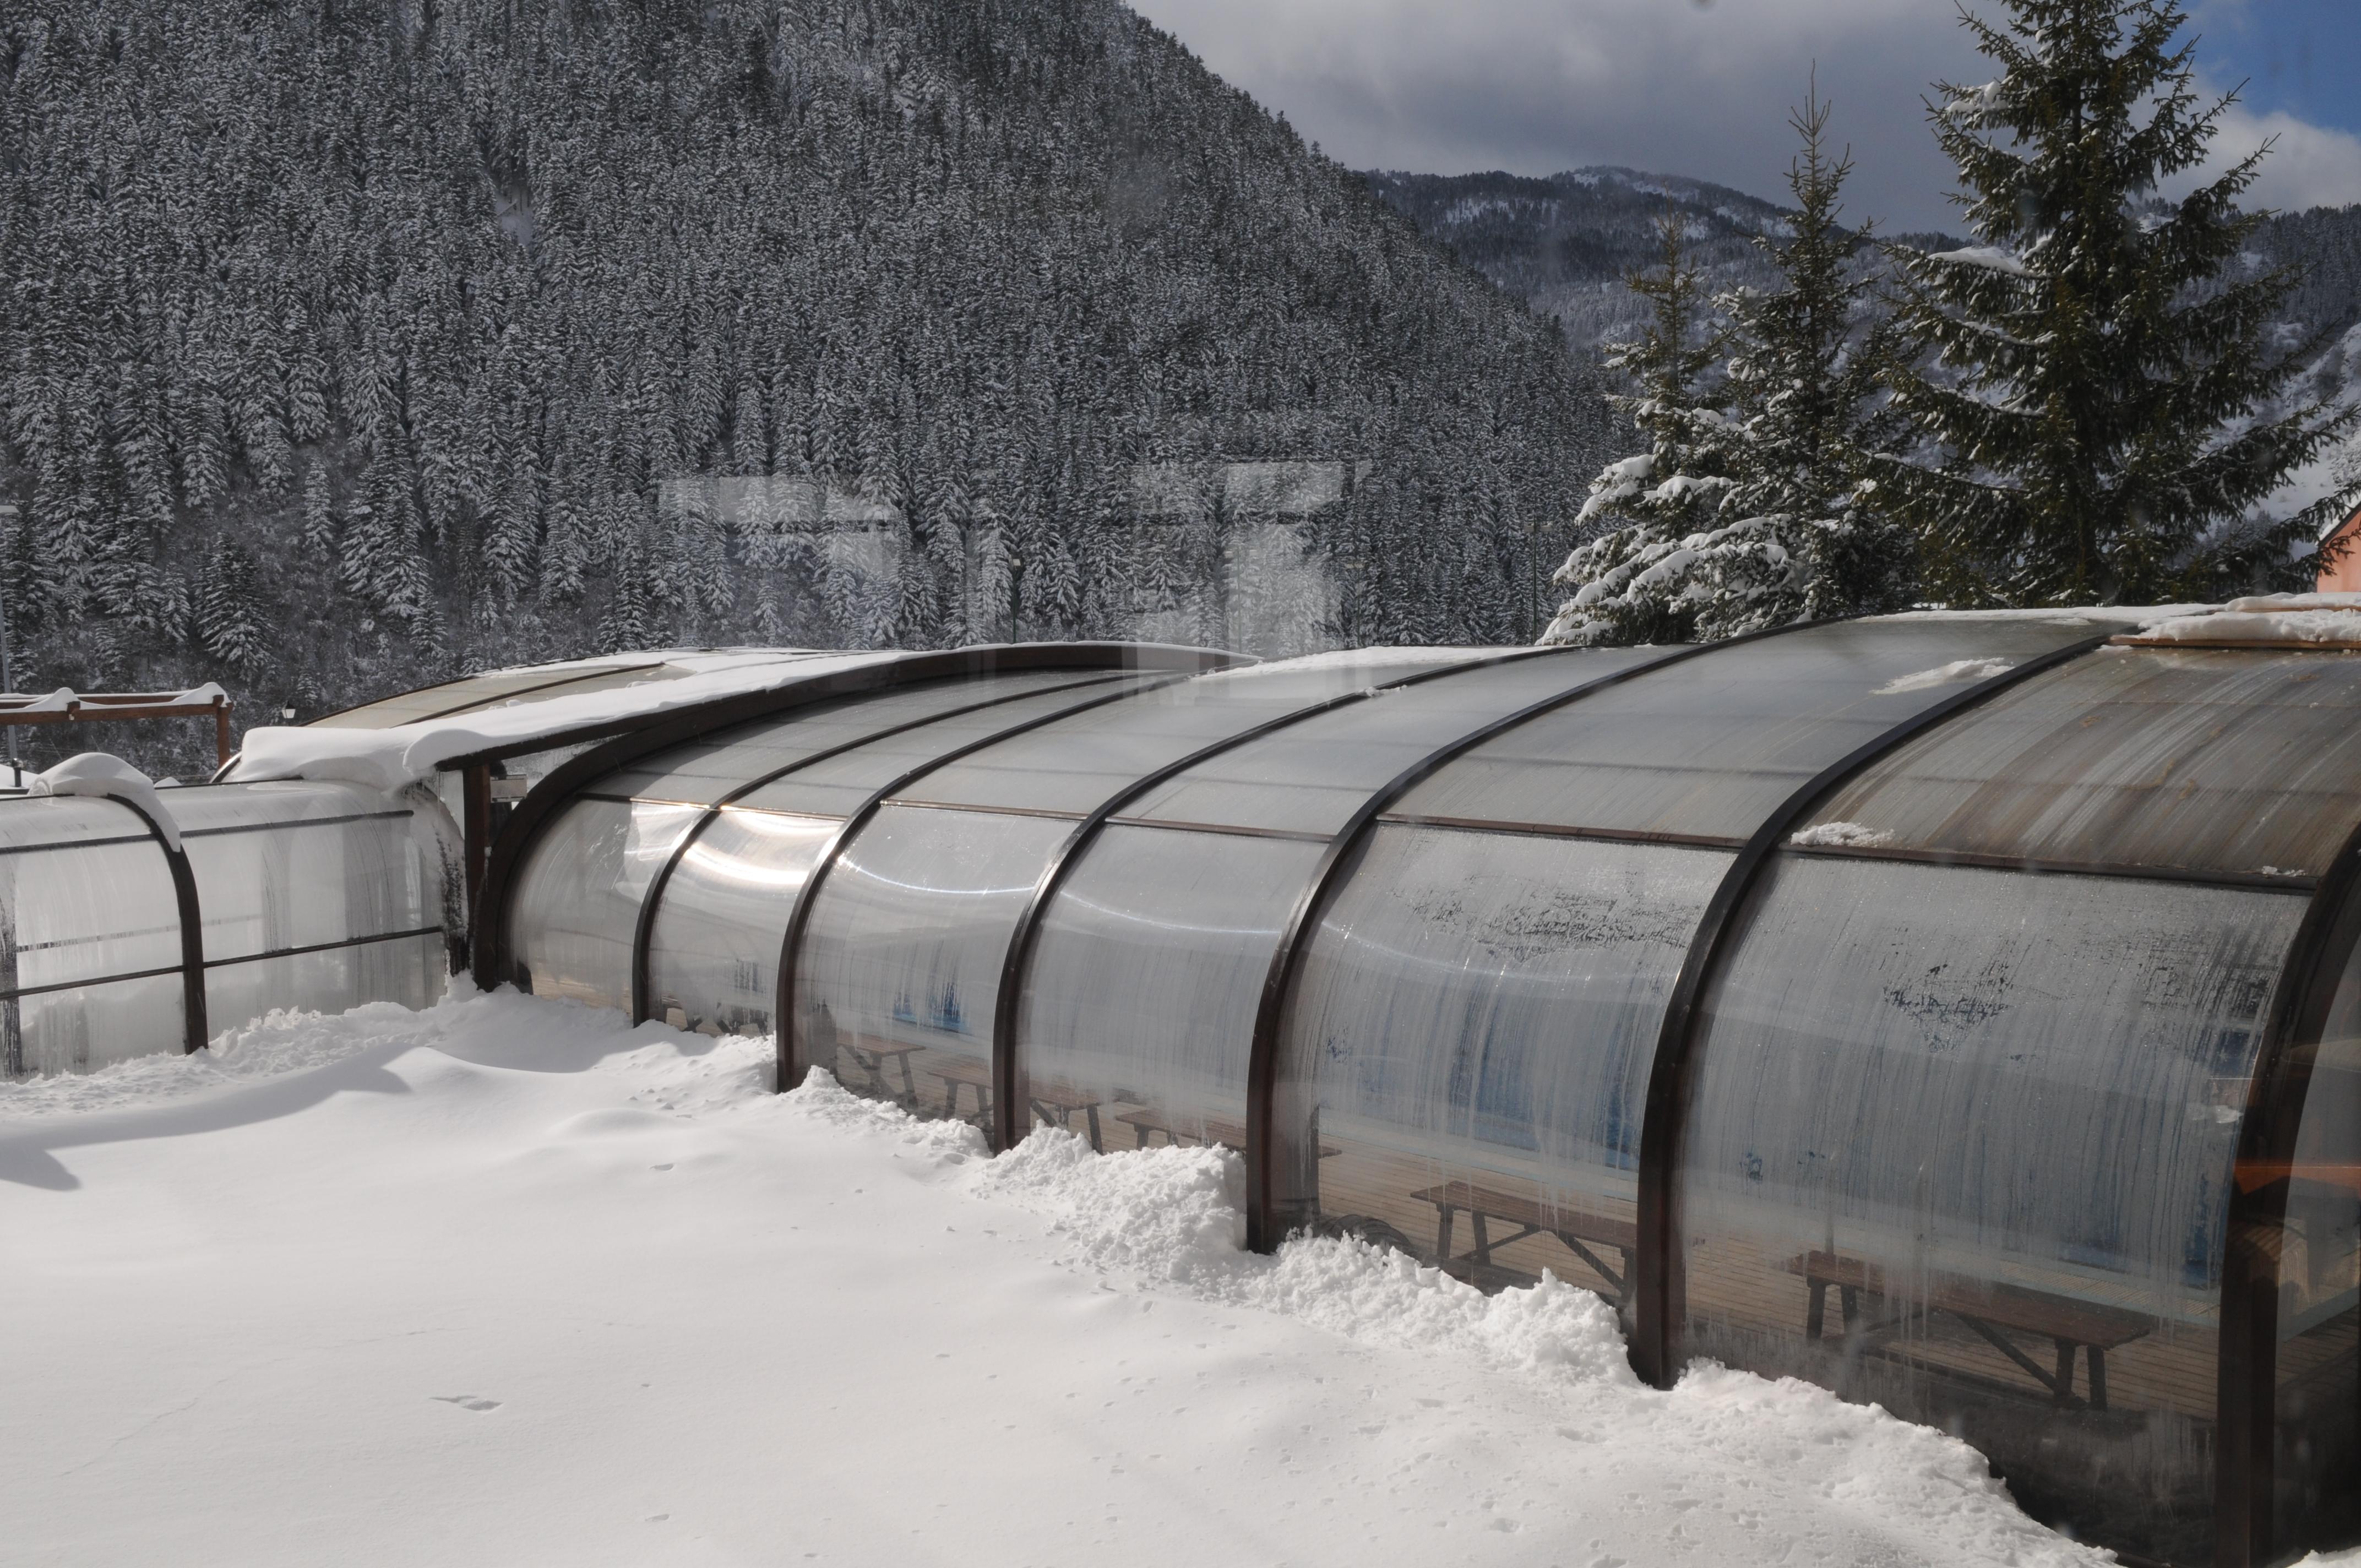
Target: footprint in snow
[(466, 1401)]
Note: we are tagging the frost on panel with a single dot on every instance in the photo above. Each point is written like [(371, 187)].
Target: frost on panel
[(1463, 1067), (1960, 1145)]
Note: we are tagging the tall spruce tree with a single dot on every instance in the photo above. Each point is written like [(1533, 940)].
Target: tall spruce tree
[(1750, 508), (2101, 385), (1638, 582), (1806, 383)]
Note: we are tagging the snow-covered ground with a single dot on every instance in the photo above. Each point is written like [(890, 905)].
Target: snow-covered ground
[(506, 1282)]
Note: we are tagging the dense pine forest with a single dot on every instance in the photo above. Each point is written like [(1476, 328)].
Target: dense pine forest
[(350, 343)]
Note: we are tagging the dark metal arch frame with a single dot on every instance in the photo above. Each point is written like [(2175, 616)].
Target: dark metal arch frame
[(194, 1034), (1006, 1124), (784, 1031), (489, 956), (2246, 1360), (644, 929), (1264, 1226), (1660, 1295)]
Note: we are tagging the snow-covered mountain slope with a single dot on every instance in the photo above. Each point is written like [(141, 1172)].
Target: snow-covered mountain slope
[(509, 1282)]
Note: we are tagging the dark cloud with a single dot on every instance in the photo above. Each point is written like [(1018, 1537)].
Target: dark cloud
[(1673, 86)]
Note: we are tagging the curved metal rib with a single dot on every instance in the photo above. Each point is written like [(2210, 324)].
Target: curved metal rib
[(1264, 1224), (488, 939), (1005, 1104), (783, 1014), (1658, 1291), (644, 929), (2247, 1363), (195, 1035)]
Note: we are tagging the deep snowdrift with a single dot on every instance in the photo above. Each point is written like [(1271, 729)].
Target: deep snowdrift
[(506, 1282)]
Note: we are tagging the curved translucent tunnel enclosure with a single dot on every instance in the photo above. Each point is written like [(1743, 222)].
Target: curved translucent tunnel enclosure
[(123, 933), (1960, 1012)]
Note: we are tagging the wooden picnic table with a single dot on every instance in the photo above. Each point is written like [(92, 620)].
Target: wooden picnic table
[(1053, 1102), (873, 1056), (1990, 1308), (1576, 1227), (1229, 1135)]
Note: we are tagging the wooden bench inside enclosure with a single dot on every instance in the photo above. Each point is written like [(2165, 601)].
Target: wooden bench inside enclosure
[(1992, 1311), (1580, 1230), (1229, 1135), (1053, 1102)]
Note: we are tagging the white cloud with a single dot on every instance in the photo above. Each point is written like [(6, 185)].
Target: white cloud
[(2309, 166)]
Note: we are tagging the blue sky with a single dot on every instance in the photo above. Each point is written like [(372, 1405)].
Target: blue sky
[(1703, 89), (2302, 57)]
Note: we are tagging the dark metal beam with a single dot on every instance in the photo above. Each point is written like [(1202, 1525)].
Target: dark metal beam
[(790, 1057), (193, 1033), (489, 926), (1006, 1107), (1265, 1225), (644, 929), (2246, 1360), (1659, 1299)]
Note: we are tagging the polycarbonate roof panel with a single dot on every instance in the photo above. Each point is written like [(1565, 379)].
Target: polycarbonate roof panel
[(1709, 747), (703, 771), (507, 687), (840, 785), (1311, 777), (36, 821), (2200, 760), (478, 691), (1076, 763)]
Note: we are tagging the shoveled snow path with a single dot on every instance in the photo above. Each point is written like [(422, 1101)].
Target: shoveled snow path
[(506, 1282)]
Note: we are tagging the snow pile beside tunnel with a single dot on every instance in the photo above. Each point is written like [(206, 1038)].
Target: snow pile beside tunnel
[(510, 1280)]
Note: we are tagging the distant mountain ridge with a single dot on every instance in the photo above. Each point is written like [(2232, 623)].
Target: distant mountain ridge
[(1565, 242)]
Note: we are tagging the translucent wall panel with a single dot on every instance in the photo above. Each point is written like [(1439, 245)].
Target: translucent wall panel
[(1465, 1060), (1311, 777), (704, 771), (900, 968), (1074, 765), (2205, 759), (842, 785), (1710, 746), (361, 872), (88, 1026), (1140, 1006), (2317, 1244), (576, 905), (78, 912), (408, 970), (1960, 1145), (713, 953)]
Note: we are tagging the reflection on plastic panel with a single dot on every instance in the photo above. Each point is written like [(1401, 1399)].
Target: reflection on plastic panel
[(901, 964), (713, 953), (1140, 1002), (1961, 1144), (2186, 758), (1463, 1067), (577, 902), (1711, 746)]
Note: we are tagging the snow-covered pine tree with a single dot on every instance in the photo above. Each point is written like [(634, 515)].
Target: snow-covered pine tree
[(230, 623), (1807, 375), (1653, 578), (1761, 518), (2100, 386)]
